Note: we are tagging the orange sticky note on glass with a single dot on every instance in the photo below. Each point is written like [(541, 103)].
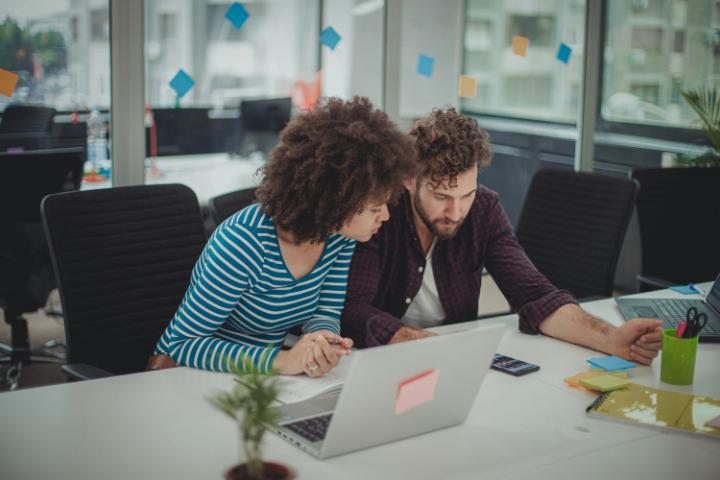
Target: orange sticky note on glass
[(467, 86), (520, 45), (416, 390), (8, 80)]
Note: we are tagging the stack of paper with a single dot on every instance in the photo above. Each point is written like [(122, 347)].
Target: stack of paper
[(297, 388)]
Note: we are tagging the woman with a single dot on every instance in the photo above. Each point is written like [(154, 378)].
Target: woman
[(284, 261)]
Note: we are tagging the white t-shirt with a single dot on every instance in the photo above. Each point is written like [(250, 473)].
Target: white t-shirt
[(425, 310)]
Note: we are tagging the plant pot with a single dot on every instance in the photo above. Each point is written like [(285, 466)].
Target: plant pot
[(271, 471)]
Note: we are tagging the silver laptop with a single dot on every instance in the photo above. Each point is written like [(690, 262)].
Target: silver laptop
[(394, 392), (672, 311)]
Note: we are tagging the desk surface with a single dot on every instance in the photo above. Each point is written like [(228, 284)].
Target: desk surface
[(159, 424), (208, 175)]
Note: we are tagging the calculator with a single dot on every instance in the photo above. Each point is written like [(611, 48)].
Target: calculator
[(512, 366)]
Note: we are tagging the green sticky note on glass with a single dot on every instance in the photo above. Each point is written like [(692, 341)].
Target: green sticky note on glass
[(604, 383)]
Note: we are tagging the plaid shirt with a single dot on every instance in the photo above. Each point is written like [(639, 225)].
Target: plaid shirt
[(386, 273)]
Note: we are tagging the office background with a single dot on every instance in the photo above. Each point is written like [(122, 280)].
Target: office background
[(105, 67)]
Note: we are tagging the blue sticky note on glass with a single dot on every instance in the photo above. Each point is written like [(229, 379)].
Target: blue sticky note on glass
[(425, 65), (329, 37), (237, 14), (685, 289), (182, 83), (611, 363), (563, 53)]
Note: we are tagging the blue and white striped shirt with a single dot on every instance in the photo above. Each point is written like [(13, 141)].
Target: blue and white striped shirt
[(242, 299)]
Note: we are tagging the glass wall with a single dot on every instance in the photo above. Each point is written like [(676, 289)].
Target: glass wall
[(536, 85), (60, 52), (355, 66), (221, 80), (276, 47), (654, 50)]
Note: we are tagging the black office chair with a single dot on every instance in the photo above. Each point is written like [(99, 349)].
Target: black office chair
[(25, 127), (123, 259), (572, 227), (26, 119), (25, 267), (678, 218), (223, 206)]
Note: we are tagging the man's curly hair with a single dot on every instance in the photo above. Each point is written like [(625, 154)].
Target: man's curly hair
[(448, 144), (329, 163)]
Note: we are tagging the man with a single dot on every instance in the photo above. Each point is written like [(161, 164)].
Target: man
[(424, 267)]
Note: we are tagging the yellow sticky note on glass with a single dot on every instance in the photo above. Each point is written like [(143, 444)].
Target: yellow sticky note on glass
[(604, 383), (520, 45), (467, 86), (8, 80)]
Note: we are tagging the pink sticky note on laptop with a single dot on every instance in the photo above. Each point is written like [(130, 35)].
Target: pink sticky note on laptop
[(416, 390)]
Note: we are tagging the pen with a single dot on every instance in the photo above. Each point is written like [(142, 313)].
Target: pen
[(680, 330)]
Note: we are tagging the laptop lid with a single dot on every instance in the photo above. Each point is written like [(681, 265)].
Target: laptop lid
[(398, 391), (713, 296), (656, 307)]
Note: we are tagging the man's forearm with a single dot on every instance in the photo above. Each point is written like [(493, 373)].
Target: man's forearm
[(574, 325)]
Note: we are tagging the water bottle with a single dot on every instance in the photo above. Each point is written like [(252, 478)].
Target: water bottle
[(97, 143), (91, 123)]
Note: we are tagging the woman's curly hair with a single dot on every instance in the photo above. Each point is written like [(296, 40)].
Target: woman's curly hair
[(448, 144), (329, 163)]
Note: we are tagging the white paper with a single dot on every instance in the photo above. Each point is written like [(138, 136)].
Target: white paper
[(296, 388)]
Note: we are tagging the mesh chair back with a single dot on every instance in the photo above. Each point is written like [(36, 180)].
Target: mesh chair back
[(123, 259), (26, 119), (223, 206), (27, 177), (678, 213), (572, 227)]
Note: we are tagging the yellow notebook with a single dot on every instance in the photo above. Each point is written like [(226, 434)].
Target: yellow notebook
[(659, 408)]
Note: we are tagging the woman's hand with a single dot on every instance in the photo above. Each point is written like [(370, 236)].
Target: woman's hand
[(314, 354)]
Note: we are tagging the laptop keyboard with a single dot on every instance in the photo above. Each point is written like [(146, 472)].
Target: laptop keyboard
[(313, 429), (676, 312)]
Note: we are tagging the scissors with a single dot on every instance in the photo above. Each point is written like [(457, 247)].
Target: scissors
[(695, 322)]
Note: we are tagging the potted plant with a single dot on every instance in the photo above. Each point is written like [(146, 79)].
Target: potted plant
[(249, 403), (706, 103)]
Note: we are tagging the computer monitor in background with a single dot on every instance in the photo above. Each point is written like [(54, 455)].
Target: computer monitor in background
[(261, 121)]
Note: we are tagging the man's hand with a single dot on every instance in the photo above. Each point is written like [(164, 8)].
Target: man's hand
[(638, 340), (315, 354), (406, 333)]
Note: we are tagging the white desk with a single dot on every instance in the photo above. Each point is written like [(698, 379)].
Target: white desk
[(208, 175), (160, 425)]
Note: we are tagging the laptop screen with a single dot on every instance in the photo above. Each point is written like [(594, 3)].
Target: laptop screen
[(713, 297)]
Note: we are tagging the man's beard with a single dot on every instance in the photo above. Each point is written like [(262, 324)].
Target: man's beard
[(432, 224)]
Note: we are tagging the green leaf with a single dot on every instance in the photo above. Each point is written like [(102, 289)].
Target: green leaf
[(250, 404), (706, 103)]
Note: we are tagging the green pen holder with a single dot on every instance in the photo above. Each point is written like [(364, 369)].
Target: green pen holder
[(678, 359)]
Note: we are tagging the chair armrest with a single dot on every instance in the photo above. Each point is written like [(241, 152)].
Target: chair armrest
[(83, 371), (654, 281)]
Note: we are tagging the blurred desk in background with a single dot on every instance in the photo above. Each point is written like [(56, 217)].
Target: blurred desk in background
[(208, 175)]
